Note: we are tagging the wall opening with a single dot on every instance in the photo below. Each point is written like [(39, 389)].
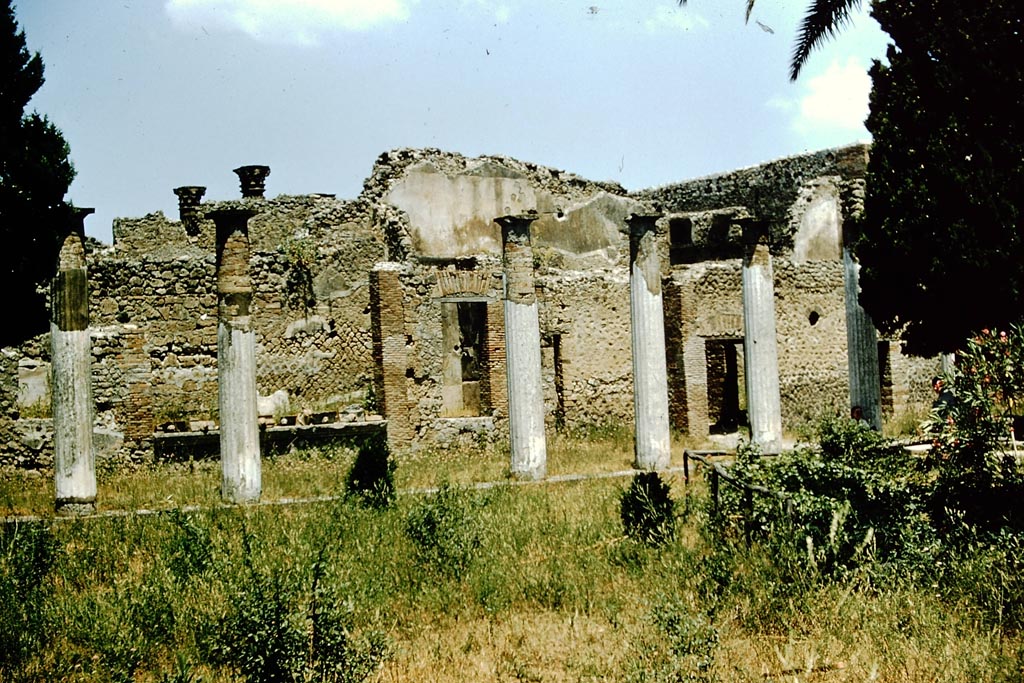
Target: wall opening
[(885, 377), (727, 400), (556, 346), (680, 236), (463, 333)]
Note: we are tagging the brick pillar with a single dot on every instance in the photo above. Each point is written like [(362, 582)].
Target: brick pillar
[(390, 352), (522, 350), (241, 470), (136, 413), (74, 462), (674, 356), (760, 345), (648, 256), (496, 379)]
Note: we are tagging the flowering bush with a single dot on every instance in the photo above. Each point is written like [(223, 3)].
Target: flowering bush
[(972, 452)]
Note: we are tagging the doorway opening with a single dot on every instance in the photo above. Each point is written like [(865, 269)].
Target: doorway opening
[(727, 399), (463, 332)]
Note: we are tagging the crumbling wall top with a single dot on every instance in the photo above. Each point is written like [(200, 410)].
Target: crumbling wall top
[(769, 190), (393, 164)]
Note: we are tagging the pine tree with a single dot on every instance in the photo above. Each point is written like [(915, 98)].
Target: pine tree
[(35, 172)]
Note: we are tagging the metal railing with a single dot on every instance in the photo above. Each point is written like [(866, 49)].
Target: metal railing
[(718, 473)]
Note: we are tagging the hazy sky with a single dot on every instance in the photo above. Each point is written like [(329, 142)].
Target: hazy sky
[(153, 94)]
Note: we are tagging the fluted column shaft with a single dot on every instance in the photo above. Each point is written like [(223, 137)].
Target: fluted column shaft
[(241, 477), (522, 349), (760, 346), (861, 348), (652, 448), (71, 382)]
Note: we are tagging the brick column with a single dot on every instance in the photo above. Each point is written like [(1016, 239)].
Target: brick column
[(522, 350), (647, 251), (74, 462), (390, 352), (241, 478), (136, 413), (496, 388), (760, 346)]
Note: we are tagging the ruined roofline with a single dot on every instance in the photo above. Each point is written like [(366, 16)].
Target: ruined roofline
[(847, 153), (392, 165)]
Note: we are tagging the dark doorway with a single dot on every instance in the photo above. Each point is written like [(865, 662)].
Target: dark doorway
[(726, 392)]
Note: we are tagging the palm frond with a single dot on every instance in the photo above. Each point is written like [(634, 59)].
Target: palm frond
[(750, 8), (824, 19)]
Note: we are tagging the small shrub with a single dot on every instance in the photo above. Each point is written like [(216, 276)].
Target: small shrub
[(189, 551), (692, 639), (684, 647), (183, 672), (648, 511), (372, 477), (334, 654), (445, 531), (278, 630), (27, 553)]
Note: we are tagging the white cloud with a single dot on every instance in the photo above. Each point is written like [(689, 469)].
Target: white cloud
[(300, 22), (672, 18), (836, 99), (501, 12)]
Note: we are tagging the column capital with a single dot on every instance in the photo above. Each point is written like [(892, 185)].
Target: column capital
[(73, 222), (515, 228), (253, 179), (229, 220), (189, 198)]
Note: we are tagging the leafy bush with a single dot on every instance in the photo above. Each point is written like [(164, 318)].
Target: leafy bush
[(978, 480), (647, 510), (684, 648), (444, 530), (372, 477), (854, 498)]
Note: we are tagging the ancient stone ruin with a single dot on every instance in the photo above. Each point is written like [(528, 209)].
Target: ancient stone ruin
[(469, 298)]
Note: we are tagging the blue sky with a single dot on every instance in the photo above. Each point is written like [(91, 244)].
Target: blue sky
[(153, 94)]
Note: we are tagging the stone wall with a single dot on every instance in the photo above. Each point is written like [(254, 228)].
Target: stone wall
[(396, 299), (775, 192), (585, 319), (154, 319), (410, 331)]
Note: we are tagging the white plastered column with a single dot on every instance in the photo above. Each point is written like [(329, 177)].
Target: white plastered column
[(861, 348), (652, 450), (241, 474), (760, 346), (74, 462), (522, 351)]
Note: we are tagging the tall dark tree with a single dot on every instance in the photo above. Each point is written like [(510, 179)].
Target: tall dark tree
[(942, 238), (35, 172), (942, 245)]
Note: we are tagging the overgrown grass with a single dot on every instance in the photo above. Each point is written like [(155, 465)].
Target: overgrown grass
[(510, 583)]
